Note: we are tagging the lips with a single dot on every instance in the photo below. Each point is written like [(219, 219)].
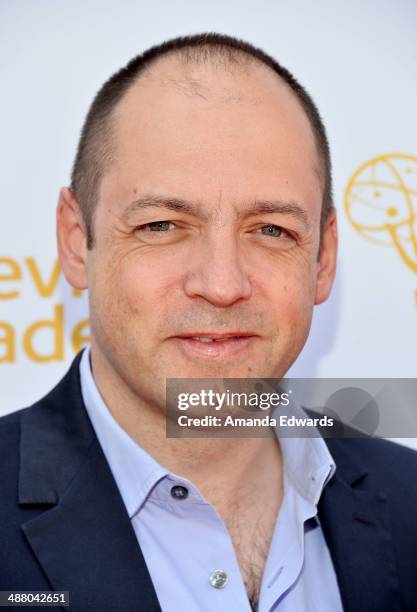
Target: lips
[(215, 344), (208, 337), (216, 335)]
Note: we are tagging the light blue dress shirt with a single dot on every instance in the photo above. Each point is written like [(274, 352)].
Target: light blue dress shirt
[(185, 540)]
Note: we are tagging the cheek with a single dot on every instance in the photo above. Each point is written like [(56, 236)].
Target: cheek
[(293, 302), (108, 290), (292, 292), (139, 293)]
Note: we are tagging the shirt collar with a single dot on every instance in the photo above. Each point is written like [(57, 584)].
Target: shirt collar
[(135, 471), (307, 461), (308, 464)]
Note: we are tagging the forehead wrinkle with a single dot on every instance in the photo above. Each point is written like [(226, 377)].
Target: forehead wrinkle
[(216, 214)]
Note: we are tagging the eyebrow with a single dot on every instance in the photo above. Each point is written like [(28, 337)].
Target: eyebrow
[(257, 207), (290, 208), (159, 201)]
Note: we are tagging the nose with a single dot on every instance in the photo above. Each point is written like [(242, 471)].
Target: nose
[(216, 273)]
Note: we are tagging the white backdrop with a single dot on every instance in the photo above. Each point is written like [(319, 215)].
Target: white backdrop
[(358, 60)]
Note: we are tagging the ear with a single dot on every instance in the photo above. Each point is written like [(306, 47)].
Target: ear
[(326, 270), (72, 239)]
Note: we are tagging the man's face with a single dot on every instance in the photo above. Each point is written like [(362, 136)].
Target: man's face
[(207, 226)]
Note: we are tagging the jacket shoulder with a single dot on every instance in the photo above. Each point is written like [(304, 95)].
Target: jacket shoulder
[(10, 424)]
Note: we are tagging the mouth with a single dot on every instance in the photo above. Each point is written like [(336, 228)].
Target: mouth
[(215, 344)]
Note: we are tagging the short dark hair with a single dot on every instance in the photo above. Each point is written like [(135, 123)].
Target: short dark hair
[(94, 152)]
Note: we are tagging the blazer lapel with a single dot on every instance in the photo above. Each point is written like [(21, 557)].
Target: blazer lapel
[(356, 526), (84, 542)]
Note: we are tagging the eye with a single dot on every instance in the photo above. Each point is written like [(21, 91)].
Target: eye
[(275, 231), (160, 232), (156, 226)]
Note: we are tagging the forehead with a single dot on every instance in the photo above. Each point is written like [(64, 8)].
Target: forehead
[(224, 128)]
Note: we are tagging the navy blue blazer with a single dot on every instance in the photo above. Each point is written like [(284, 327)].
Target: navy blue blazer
[(63, 524)]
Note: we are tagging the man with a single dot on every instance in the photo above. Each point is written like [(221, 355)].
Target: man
[(201, 221)]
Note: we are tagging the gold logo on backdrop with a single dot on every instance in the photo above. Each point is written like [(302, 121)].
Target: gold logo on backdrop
[(381, 203)]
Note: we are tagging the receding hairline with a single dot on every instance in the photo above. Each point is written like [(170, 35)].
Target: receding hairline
[(195, 84), (164, 71), (96, 148)]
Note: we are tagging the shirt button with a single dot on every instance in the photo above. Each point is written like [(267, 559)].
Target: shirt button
[(179, 492), (218, 579)]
